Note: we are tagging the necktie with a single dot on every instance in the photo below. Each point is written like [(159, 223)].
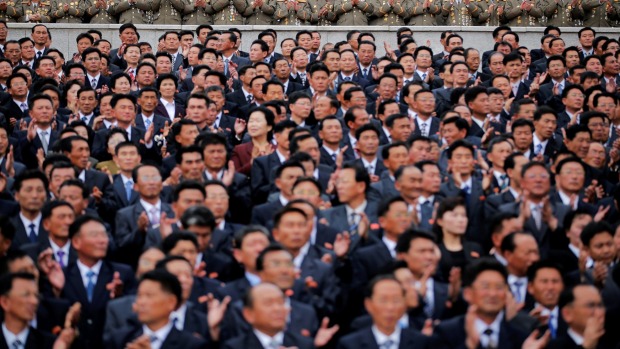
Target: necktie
[(353, 222), (274, 344), (24, 107), (302, 76), (44, 141), (537, 214), (552, 328), (423, 129), (38, 54), (32, 235), (517, 290), (515, 89), (90, 286), (370, 169), (128, 189), (147, 123), (467, 191), (334, 156), (560, 88), (426, 214), (61, 255), (176, 323), (174, 58), (226, 61), (93, 83), (250, 98), (153, 339), (490, 342), (154, 216), (388, 344), (17, 344), (504, 182), (428, 305), (347, 78), (539, 148), (365, 72), (423, 76)]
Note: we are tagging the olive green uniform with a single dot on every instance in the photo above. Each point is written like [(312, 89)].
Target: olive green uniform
[(74, 13), (389, 14), (195, 15), (353, 15), (516, 17), (169, 11), (100, 15), (30, 8), (140, 12), (230, 12), (420, 15)]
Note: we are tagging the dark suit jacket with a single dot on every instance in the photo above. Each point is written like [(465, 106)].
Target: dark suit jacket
[(357, 77), (337, 216), (36, 340), (524, 88), (261, 181), (434, 129), (409, 339), (369, 261), (21, 233), (119, 196), (237, 97), (11, 110), (450, 334), (175, 339), (385, 186), (293, 87), (249, 341), (26, 151), (179, 111), (93, 314), (158, 120), (493, 202), (475, 206), (263, 214), (379, 167), (563, 342), (34, 249)]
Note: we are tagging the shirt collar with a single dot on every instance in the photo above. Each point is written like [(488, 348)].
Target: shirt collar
[(391, 245), (179, 315), (96, 77), (302, 254), (147, 206), (481, 326), (281, 156), (85, 269), (267, 341), (27, 222), (538, 141), (577, 338), (360, 209), (253, 279), (283, 200), (382, 338), (10, 337), (566, 199), (372, 163), (161, 334), (165, 102)]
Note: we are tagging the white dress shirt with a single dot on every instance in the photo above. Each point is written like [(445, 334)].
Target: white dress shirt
[(170, 108), (297, 261), (537, 142), (481, 326), (566, 200), (577, 338), (65, 249), (372, 164), (522, 289), (381, 338), (85, 269), (179, 315), (391, 245), (267, 341), (160, 335), (26, 222), (10, 337)]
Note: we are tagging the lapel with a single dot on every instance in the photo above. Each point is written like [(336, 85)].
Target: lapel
[(368, 339), (75, 280), (119, 188), (173, 340), (105, 275), (441, 295)]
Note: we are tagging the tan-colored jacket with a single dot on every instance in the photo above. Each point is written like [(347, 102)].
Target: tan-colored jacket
[(141, 12), (42, 8), (561, 13), (262, 15), (516, 17), (484, 16), (100, 15), (309, 12), (420, 15), (170, 11), (388, 14), (12, 13), (352, 15), (76, 11), (230, 12), (597, 14), (198, 15), (458, 13)]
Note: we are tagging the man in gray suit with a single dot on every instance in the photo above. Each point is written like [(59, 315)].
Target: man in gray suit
[(228, 53), (172, 42), (395, 156)]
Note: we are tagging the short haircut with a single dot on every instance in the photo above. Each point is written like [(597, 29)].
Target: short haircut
[(404, 240), (593, 229), (477, 267), (80, 221), (167, 281), (172, 240)]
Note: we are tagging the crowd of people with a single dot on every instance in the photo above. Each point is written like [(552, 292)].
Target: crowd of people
[(517, 13), (187, 194)]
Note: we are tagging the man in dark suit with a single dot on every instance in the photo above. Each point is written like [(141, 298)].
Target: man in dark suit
[(386, 331), (31, 194), (368, 147), (133, 221), (495, 331), (549, 93), (91, 58), (228, 50), (17, 106), (56, 217), (77, 150), (243, 96), (585, 329), (123, 193), (569, 183), (159, 294), (19, 311), (148, 102), (39, 134), (394, 156), (91, 280), (348, 66)]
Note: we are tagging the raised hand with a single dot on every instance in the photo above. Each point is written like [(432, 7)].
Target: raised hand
[(10, 169), (115, 287), (595, 329), (601, 213), (52, 270), (143, 222), (533, 343), (512, 306), (472, 339), (342, 244), (200, 270), (216, 313), (165, 225), (325, 334)]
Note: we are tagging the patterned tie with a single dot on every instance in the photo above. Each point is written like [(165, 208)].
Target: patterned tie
[(250, 98), (517, 290), (428, 305), (302, 76), (388, 344), (174, 58), (226, 61), (370, 169), (347, 78), (24, 107), (334, 156), (352, 222), (32, 235), (17, 344), (147, 123), (365, 73), (423, 129), (90, 286), (426, 214), (423, 76), (128, 190), (504, 183), (132, 75), (537, 215), (44, 141), (538, 149), (61, 255), (93, 83), (154, 216)]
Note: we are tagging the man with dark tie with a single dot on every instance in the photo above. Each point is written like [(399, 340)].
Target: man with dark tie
[(159, 295), (431, 184), (386, 304), (30, 193), (520, 251), (39, 134)]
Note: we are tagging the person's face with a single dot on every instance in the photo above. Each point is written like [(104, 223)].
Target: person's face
[(185, 249), (4, 142), (91, 241), (366, 54), (187, 135), (473, 60), (263, 70), (196, 110), (503, 85), (546, 125), (462, 161), (149, 183), (124, 111), (46, 68), (526, 111), (257, 54), (287, 179), (4, 30), (307, 191), (316, 41), (278, 268), (73, 195), (454, 42), (122, 86), (496, 103), (606, 105), (588, 304), (410, 183), (556, 69), (183, 271), (292, 232), (332, 61), (455, 221), (269, 311), (536, 181), (13, 52), (163, 65), (215, 156), (598, 128), (40, 35), (390, 109), (192, 56), (419, 151), (580, 144), (332, 132), (257, 88), (499, 154), (396, 220), (127, 158), (596, 155), (557, 47), (487, 292), (480, 106), (595, 66), (19, 87), (401, 130), (524, 255), (451, 133), (546, 287), (172, 42), (274, 92), (146, 76), (251, 246), (268, 39), (431, 179), (286, 47), (153, 304), (22, 301), (305, 41), (408, 64), (301, 108), (104, 47), (129, 36), (59, 176), (132, 55), (572, 58), (346, 186), (257, 125), (59, 221), (387, 88), (322, 108), (574, 99), (217, 200), (42, 111), (167, 88), (319, 81), (387, 304), (514, 69), (347, 62), (420, 257), (32, 195), (87, 102), (368, 143), (611, 66), (602, 248), (192, 166)]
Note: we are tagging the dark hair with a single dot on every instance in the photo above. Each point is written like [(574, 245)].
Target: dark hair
[(460, 144), (542, 264), (274, 247), (75, 183), (199, 216), (80, 221), (241, 234), (376, 280), (172, 240), (27, 175), (284, 211), (593, 229), (477, 267), (187, 185), (404, 240), (6, 281), (168, 282)]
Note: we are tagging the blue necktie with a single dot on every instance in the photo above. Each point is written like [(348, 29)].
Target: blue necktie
[(517, 291), (426, 214), (128, 189), (539, 148), (467, 192), (32, 235), (552, 326), (147, 123), (90, 286)]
